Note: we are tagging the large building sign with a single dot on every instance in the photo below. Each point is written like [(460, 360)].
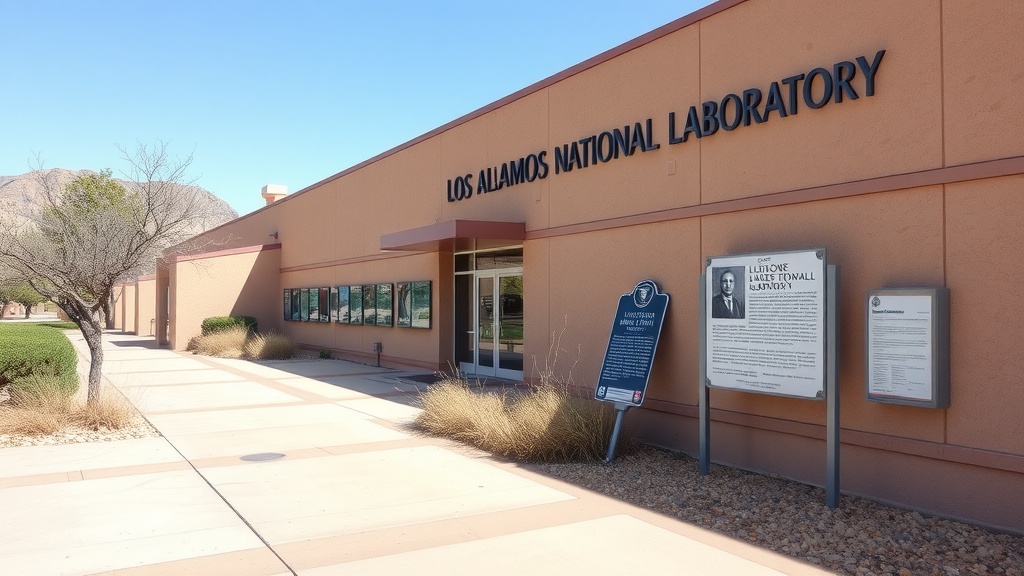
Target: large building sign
[(766, 323), (815, 89)]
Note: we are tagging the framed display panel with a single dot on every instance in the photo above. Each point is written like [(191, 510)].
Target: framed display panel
[(421, 304), (344, 315), (304, 304), (325, 304), (765, 323), (907, 360), (384, 308), (355, 304), (287, 307), (369, 304), (295, 304), (334, 303), (403, 301)]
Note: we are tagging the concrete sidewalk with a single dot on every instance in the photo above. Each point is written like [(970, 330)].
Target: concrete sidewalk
[(354, 493)]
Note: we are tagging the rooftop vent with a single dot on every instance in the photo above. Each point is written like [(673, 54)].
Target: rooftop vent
[(274, 192)]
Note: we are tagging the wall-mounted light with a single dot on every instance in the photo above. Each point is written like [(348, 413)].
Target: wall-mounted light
[(273, 235)]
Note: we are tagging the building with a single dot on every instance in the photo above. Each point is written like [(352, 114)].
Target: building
[(887, 133)]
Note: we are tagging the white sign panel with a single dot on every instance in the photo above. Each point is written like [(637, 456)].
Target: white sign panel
[(766, 323), (908, 346), (900, 347)]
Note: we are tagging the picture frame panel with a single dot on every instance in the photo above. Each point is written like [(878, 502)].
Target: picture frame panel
[(355, 304), (420, 307), (369, 304), (403, 301), (344, 314), (384, 306)]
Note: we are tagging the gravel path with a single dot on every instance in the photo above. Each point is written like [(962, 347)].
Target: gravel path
[(860, 537)]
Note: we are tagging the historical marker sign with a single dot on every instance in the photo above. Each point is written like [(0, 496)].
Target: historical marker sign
[(766, 323), (632, 344)]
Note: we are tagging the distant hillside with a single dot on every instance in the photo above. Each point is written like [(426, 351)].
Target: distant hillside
[(20, 195)]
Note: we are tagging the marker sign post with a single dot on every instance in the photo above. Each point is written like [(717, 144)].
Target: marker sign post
[(770, 325), (630, 353)]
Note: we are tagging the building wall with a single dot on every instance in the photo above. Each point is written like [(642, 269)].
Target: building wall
[(239, 282), (127, 305), (917, 185), (145, 306), (118, 307)]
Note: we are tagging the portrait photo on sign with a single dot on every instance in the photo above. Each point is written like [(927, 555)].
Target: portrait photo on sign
[(727, 287)]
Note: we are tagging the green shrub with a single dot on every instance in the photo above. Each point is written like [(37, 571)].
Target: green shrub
[(325, 354), (32, 352), (222, 323)]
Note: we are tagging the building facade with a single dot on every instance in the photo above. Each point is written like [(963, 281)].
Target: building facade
[(888, 134)]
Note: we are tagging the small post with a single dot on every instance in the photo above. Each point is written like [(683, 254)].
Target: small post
[(832, 386), (703, 399), (619, 414)]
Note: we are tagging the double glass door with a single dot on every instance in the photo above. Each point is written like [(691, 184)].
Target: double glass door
[(495, 337)]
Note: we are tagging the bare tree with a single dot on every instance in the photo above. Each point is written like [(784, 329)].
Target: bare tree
[(92, 233)]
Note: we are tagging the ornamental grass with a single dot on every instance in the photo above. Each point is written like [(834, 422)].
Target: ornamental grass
[(545, 422)]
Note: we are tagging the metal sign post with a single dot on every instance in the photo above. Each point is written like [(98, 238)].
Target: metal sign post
[(620, 412), (627, 363)]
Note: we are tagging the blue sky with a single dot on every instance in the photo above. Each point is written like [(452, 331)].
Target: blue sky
[(276, 92)]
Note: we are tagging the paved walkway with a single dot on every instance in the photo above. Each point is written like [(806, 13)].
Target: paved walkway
[(354, 493)]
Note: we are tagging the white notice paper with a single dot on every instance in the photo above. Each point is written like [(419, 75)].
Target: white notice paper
[(900, 347)]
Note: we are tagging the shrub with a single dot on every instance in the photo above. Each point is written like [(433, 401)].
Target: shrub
[(39, 405), (32, 352), (325, 354), (543, 424), (45, 407), (223, 343), (222, 323), (270, 347), (238, 343)]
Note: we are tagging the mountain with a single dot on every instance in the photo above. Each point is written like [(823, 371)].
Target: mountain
[(21, 195)]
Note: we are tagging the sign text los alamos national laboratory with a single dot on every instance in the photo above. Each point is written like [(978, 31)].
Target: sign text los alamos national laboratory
[(785, 97)]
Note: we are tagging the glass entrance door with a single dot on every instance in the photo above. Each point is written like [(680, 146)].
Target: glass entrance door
[(497, 335)]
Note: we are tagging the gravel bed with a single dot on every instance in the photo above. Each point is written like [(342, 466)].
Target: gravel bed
[(139, 429), (860, 537)]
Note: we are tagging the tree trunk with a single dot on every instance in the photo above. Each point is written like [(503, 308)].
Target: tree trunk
[(89, 324), (108, 313), (93, 332), (28, 310)]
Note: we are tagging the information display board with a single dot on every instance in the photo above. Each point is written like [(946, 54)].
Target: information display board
[(632, 344), (908, 346), (765, 323)]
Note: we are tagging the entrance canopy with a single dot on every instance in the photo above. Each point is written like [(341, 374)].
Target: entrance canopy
[(456, 236)]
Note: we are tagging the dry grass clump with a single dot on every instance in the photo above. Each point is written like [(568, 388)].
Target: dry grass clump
[(46, 407), (545, 423), (270, 347), (223, 344), (43, 407), (240, 343)]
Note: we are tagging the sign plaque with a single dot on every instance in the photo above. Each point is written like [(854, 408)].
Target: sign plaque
[(765, 323), (908, 346), (631, 346)]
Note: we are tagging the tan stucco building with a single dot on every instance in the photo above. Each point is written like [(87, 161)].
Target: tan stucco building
[(887, 133)]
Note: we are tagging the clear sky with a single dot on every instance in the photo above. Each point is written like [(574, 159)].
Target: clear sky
[(277, 92)]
